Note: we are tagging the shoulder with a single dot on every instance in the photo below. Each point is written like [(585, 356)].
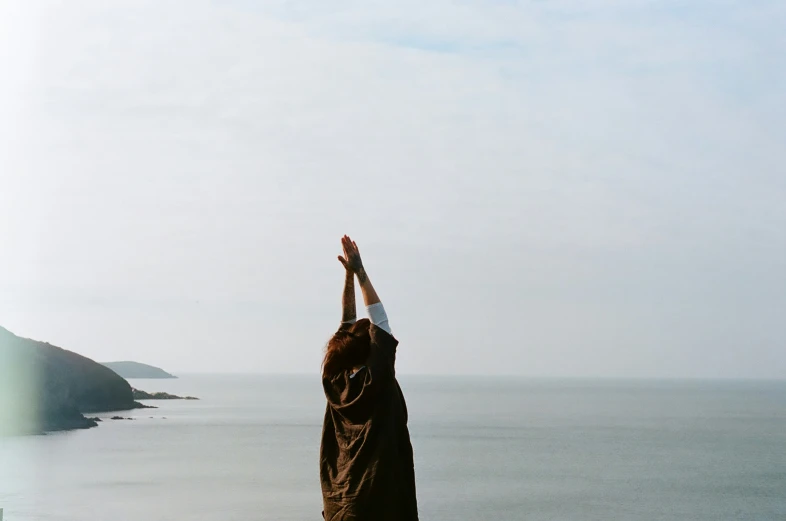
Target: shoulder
[(381, 337), (383, 348)]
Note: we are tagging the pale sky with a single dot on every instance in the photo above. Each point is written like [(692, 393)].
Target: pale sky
[(543, 188)]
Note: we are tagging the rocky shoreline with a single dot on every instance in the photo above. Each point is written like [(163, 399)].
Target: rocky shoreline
[(142, 395)]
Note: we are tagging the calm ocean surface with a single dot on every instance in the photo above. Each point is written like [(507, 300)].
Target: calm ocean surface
[(485, 449)]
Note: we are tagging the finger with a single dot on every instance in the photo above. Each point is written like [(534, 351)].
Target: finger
[(356, 246), (342, 261)]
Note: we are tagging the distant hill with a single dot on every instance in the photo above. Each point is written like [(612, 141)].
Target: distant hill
[(47, 388), (137, 370)]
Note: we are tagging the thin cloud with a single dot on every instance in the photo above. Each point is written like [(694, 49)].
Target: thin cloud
[(602, 179)]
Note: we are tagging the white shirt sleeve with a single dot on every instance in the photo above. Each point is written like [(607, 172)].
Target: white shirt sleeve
[(378, 317)]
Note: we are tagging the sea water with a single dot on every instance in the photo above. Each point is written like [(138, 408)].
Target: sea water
[(485, 449)]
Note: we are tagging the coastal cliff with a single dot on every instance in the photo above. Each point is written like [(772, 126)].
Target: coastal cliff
[(47, 388)]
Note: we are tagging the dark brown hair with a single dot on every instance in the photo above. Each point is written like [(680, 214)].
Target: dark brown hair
[(348, 348)]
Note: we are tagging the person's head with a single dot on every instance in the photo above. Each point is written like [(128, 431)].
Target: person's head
[(347, 349)]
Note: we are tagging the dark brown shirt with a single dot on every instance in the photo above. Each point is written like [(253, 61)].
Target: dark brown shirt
[(365, 459)]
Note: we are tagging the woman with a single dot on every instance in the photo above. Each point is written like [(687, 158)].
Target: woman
[(365, 459)]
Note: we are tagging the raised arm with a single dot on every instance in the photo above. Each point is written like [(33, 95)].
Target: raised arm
[(349, 310), (354, 263)]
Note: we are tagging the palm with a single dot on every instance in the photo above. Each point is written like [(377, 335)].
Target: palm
[(351, 258)]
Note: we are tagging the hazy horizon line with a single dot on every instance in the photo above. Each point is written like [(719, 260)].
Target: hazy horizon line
[(177, 374)]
